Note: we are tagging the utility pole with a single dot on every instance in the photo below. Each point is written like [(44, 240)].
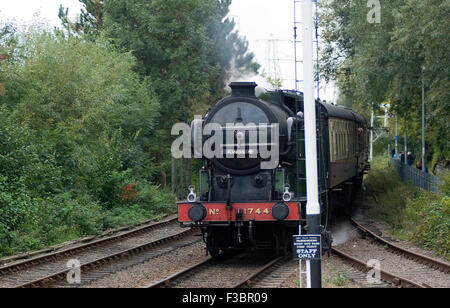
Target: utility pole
[(317, 47), (371, 134), (313, 212), (405, 142), (396, 137), (2, 85), (423, 121), (376, 133), (386, 116), (272, 58), (299, 40)]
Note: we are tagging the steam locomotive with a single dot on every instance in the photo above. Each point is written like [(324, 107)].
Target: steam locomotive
[(243, 204)]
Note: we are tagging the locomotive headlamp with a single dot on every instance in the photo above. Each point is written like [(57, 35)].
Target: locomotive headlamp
[(197, 212), (192, 197), (280, 211), (287, 195)]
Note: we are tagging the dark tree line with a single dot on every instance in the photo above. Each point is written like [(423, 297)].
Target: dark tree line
[(188, 49), (385, 62), (86, 113)]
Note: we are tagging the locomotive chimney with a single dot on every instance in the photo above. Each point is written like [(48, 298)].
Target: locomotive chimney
[(243, 89)]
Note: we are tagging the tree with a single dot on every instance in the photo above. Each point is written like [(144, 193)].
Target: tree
[(77, 123), (383, 62), (188, 49), (90, 20), (230, 56)]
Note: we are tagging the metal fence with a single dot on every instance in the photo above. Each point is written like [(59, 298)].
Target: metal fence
[(417, 177)]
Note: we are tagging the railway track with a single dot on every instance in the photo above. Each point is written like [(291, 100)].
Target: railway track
[(399, 266), (97, 258), (273, 275), (239, 271)]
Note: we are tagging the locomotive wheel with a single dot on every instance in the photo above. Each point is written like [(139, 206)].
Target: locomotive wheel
[(215, 253)]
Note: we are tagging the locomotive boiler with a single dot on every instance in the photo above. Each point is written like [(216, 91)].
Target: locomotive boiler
[(252, 191)]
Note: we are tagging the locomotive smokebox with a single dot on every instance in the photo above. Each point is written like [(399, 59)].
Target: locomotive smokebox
[(243, 89)]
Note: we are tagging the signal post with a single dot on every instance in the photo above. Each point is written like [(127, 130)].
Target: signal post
[(313, 211)]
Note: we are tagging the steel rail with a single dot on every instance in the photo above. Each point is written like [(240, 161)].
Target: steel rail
[(249, 280), (28, 263), (166, 281), (386, 276), (53, 278), (434, 263)]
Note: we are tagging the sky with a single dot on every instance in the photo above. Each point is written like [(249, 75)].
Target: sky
[(25, 12), (267, 25)]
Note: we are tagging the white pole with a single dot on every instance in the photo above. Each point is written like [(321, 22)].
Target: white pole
[(295, 48), (386, 117), (396, 137), (308, 274), (423, 122), (300, 263), (312, 182), (406, 143), (313, 206), (371, 135)]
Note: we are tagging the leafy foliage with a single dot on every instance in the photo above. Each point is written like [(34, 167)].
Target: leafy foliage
[(90, 20), (76, 123), (87, 111), (428, 220), (445, 188), (188, 49), (384, 63), (415, 214)]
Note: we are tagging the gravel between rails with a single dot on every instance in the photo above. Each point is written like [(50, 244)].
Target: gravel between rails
[(86, 240), (366, 250), (383, 230), (335, 274), (224, 272), (60, 264), (150, 271), (276, 276)]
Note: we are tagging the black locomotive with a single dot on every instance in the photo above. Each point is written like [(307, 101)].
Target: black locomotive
[(242, 202)]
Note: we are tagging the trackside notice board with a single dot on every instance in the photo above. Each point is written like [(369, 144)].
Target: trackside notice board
[(307, 247)]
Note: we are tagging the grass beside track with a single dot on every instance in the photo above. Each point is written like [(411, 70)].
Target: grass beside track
[(419, 216)]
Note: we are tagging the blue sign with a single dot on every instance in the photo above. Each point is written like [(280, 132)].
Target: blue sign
[(307, 247)]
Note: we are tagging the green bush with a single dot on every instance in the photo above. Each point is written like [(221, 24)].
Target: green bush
[(418, 215), (445, 188), (428, 219), (381, 177), (76, 123)]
